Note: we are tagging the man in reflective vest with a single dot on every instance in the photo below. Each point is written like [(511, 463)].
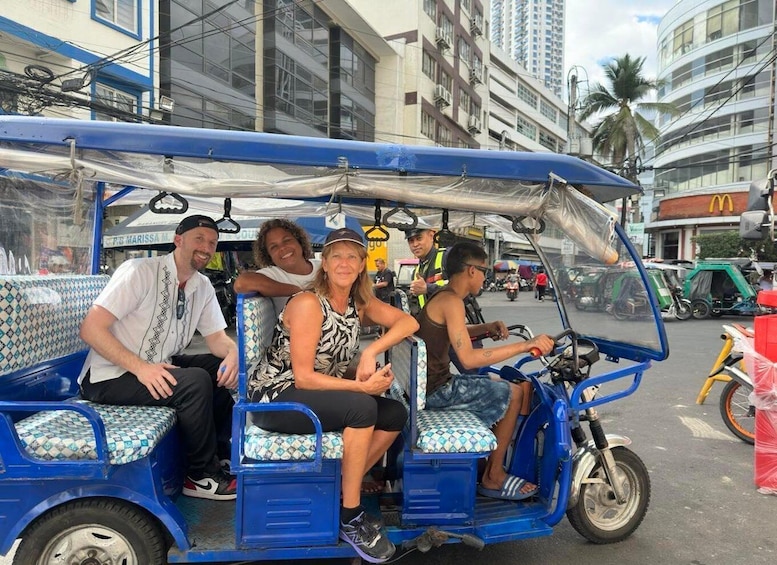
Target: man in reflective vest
[(429, 276)]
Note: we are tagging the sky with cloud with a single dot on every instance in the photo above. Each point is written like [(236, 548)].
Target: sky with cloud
[(599, 30)]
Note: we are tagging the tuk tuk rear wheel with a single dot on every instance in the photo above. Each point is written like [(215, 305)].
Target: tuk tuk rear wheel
[(700, 309), (737, 412), (597, 516), (97, 531)]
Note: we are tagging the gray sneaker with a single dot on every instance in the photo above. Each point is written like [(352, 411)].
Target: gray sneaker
[(367, 540)]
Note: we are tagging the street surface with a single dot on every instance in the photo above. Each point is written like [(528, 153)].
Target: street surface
[(704, 508)]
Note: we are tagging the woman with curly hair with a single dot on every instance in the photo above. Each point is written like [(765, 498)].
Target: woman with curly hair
[(284, 254)]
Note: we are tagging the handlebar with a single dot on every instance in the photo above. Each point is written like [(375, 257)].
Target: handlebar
[(535, 352)]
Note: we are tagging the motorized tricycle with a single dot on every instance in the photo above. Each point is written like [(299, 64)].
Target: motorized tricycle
[(82, 482), (718, 287)]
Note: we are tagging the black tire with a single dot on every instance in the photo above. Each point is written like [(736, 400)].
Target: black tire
[(124, 534), (700, 309), (618, 312), (737, 412), (683, 310), (716, 313), (597, 516)]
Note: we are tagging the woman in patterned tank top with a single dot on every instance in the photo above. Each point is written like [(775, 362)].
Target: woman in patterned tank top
[(316, 337)]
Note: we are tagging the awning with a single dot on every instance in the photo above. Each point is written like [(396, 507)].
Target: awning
[(147, 230)]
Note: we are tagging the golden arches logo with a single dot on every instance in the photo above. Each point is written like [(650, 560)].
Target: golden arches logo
[(721, 200)]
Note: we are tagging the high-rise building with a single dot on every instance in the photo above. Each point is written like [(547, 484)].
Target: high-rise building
[(532, 33), (715, 60)]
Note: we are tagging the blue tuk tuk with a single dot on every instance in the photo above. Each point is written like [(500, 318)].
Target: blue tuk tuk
[(84, 483)]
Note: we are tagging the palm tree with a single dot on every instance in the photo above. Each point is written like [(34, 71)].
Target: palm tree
[(622, 133)]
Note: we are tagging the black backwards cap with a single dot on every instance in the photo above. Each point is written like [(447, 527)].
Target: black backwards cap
[(196, 221)]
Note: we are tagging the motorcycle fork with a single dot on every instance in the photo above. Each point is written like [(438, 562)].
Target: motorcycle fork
[(716, 373), (604, 452)]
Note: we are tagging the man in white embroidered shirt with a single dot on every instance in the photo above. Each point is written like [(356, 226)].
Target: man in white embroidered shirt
[(137, 329)]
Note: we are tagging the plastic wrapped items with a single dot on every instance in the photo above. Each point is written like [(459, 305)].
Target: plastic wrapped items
[(763, 373)]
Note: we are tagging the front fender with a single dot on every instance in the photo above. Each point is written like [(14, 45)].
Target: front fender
[(738, 375), (584, 460)]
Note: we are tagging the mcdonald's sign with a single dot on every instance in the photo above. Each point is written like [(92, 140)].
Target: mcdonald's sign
[(721, 200)]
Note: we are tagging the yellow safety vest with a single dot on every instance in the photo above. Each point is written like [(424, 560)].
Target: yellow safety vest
[(436, 277)]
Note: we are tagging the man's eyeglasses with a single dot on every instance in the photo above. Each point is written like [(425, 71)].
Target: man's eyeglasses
[(483, 270), (180, 307)]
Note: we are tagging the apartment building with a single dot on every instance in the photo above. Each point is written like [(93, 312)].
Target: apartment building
[(444, 48), (92, 59)]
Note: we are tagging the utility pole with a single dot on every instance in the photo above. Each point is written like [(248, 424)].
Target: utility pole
[(571, 109), (772, 96)]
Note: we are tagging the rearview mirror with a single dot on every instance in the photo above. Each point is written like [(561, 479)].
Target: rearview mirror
[(752, 224)]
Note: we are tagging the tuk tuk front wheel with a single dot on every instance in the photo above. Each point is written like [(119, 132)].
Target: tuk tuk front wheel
[(597, 516), (737, 412), (683, 310), (97, 531)]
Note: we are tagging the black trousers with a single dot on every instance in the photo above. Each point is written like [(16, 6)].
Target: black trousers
[(203, 409), (336, 409)]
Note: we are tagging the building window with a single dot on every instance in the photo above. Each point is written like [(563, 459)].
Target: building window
[(474, 110), (683, 38), (527, 129), (443, 136), (526, 95), (207, 47), (446, 81), (125, 104), (194, 110), (430, 7), (671, 245), (464, 100), (122, 13), (466, 5), (547, 141), (429, 66), (548, 111), (356, 65), (355, 121), (465, 51), (446, 25), (427, 125), (298, 92)]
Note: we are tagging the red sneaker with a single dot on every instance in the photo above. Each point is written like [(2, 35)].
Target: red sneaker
[(218, 486)]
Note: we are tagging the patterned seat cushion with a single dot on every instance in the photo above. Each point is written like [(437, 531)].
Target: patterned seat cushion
[(46, 311), (258, 322), (131, 432), (262, 445), (401, 365), (453, 431)]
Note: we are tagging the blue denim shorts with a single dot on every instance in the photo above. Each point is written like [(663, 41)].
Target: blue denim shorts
[(488, 399)]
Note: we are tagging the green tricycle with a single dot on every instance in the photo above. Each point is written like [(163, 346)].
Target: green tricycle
[(719, 287), (629, 299)]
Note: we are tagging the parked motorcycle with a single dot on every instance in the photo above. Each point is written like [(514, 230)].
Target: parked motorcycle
[(512, 288), (222, 283), (735, 408), (680, 307)]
